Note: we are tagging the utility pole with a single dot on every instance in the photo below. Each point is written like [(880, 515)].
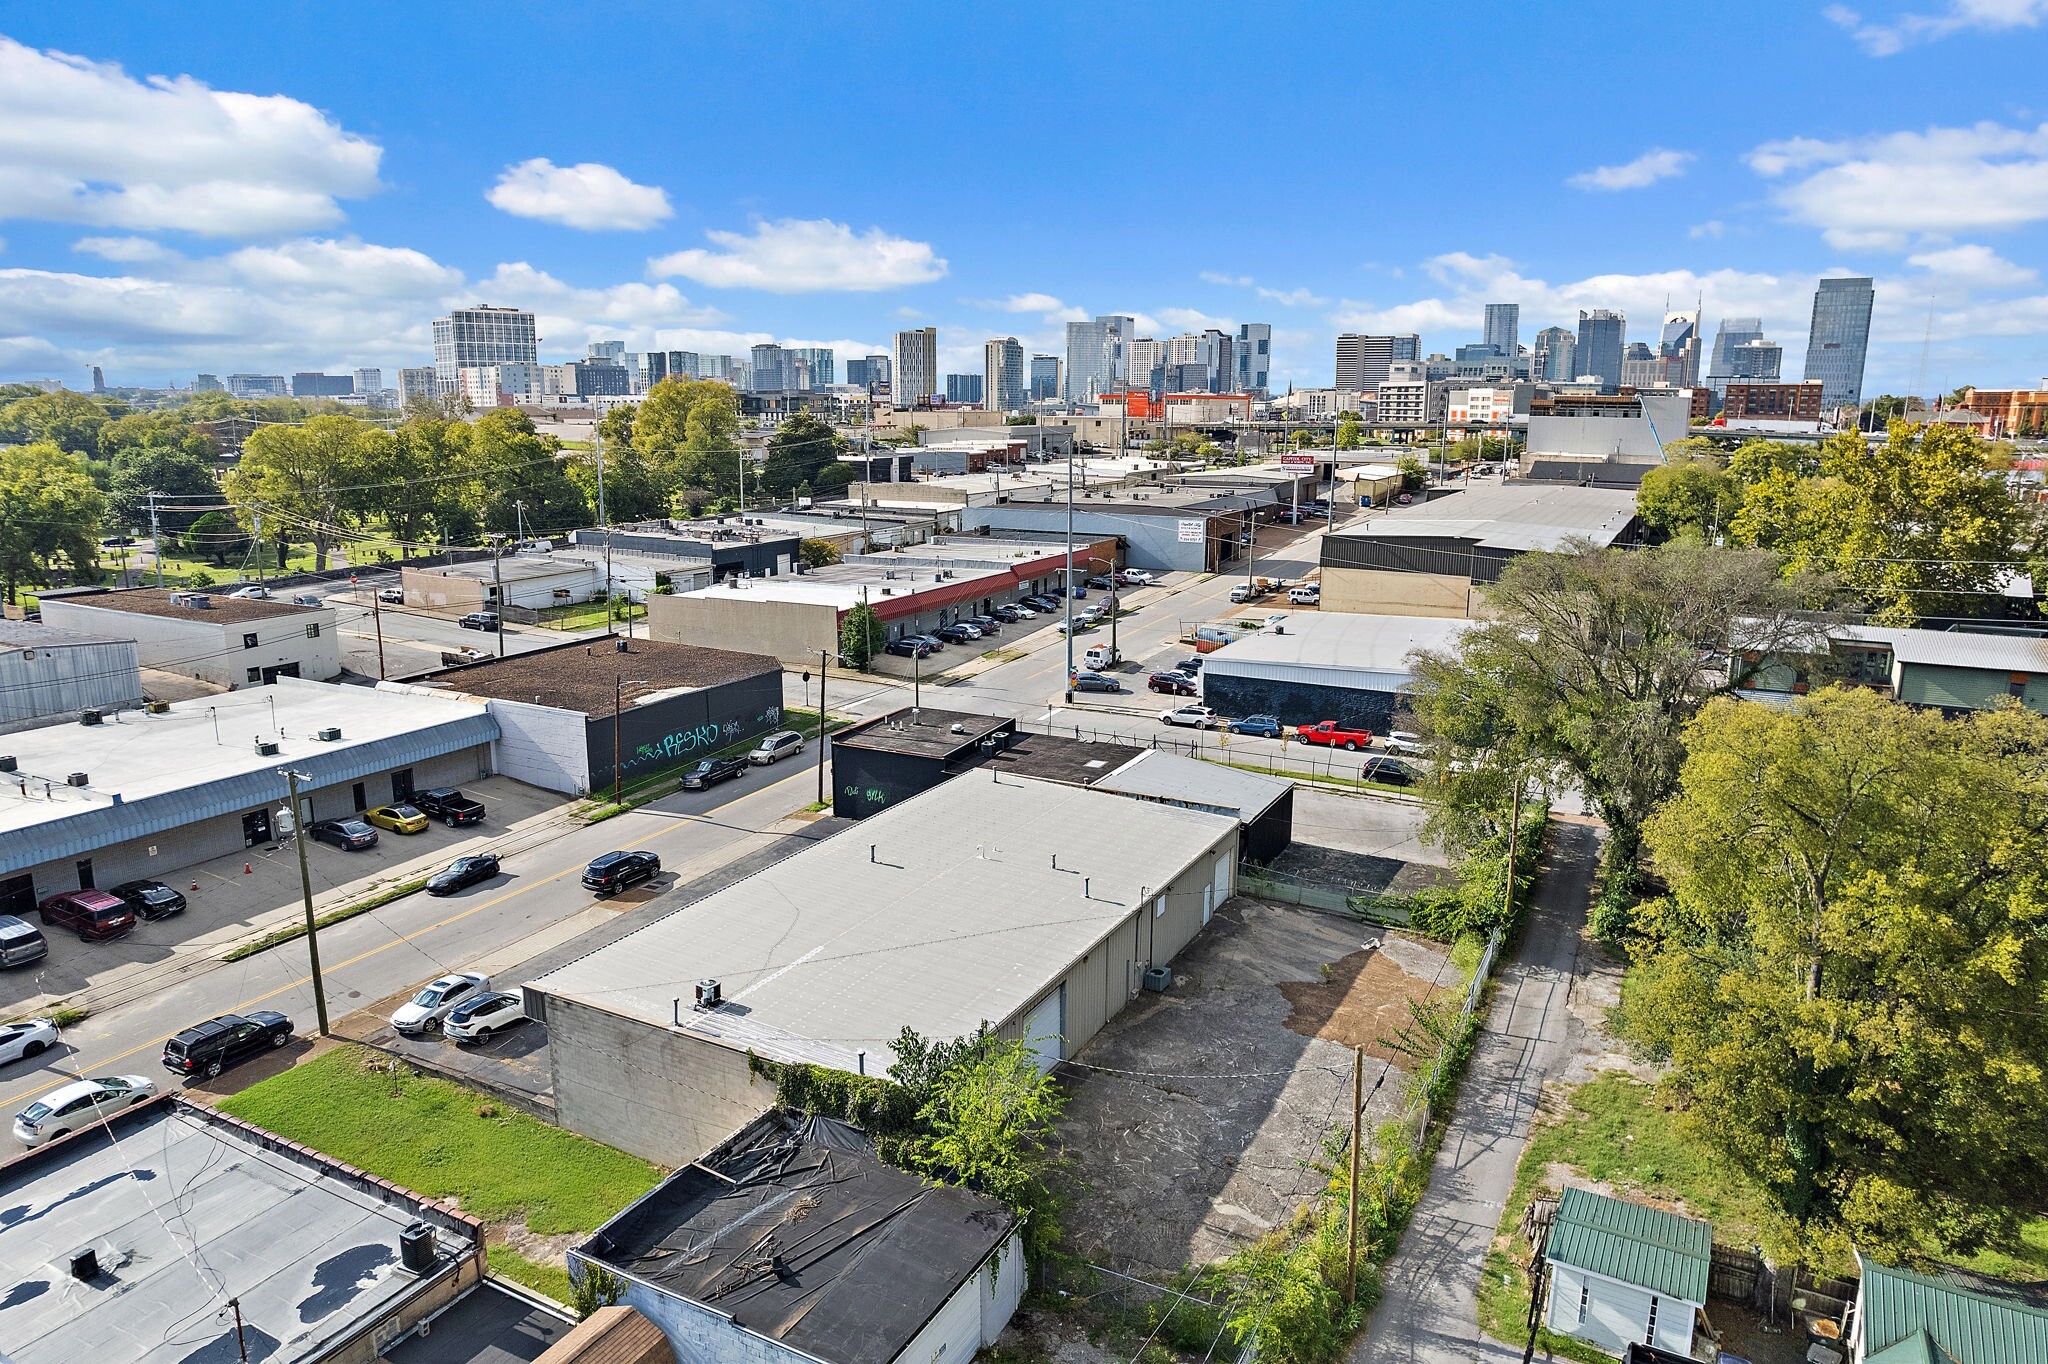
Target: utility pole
[(823, 654), (519, 519), (292, 780), (156, 541), (1514, 833), (1067, 598), (258, 546), (498, 592), (241, 1342), (1351, 1220), (377, 622), (597, 439)]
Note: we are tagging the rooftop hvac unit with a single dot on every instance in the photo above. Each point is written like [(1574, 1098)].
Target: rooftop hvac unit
[(88, 717), (199, 601), (709, 994), (329, 735), (8, 762), (416, 1247), (85, 1264), (1158, 978), (266, 748), (78, 779), (159, 708)]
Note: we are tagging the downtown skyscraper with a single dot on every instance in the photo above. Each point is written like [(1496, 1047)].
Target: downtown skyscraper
[(1503, 328), (1002, 369), (917, 367), (1839, 339), (1362, 361), (472, 337), (1095, 355), (1601, 333)]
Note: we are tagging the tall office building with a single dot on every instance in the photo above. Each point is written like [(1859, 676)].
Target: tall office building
[(1095, 355), (1601, 333), (1641, 367), (770, 366), (1002, 366), (1734, 332), (418, 381), (1758, 361), (1145, 364), (916, 367), (820, 363), (1254, 355), (964, 388), (1679, 347), (608, 352), (1045, 377), (1839, 339), (469, 337), (208, 383), (868, 371), (369, 381), (599, 378), (1504, 328), (1362, 361), (306, 384)]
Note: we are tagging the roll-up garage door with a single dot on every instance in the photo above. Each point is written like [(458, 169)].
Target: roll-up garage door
[(1045, 1027)]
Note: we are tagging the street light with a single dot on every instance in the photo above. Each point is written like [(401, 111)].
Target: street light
[(292, 780), (619, 685)]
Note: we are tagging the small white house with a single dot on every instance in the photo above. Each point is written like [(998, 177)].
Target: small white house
[(1623, 1274)]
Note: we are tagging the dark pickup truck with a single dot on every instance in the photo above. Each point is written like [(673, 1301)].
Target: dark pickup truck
[(448, 805)]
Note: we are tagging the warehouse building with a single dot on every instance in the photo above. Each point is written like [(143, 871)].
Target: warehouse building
[(140, 793), (1955, 671), (727, 545), (1325, 665), (1431, 558), (564, 714), (1263, 806), (127, 1243), (46, 672), (882, 1268), (228, 641), (943, 914), (532, 581), (1188, 530)]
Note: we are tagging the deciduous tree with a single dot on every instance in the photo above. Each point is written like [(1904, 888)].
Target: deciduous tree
[(860, 637), (1688, 496), (306, 474), (50, 511), (798, 452), (1851, 971)]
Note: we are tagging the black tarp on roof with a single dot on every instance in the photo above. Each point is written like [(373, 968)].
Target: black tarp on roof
[(798, 1231)]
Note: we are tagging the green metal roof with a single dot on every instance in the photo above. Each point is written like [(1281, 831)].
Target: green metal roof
[(1661, 1251), (1969, 1326), (1918, 1348)]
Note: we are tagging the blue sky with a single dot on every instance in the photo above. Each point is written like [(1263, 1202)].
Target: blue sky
[(269, 187)]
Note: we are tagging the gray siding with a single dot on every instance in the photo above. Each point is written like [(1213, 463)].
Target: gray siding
[(63, 679)]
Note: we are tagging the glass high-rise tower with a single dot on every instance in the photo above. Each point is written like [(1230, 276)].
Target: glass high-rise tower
[(1503, 328), (471, 337), (1599, 351), (1839, 339)]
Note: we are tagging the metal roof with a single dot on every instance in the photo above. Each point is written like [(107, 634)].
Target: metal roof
[(149, 773), (1992, 652), (1517, 516), (1178, 779), (1970, 1324), (1337, 639), (939, 914), (1632, 1244)]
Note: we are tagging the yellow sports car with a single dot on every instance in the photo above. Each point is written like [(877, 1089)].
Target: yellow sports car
[(400, 819)]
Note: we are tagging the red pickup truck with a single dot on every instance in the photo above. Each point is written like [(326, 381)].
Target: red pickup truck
[(1333, 735)]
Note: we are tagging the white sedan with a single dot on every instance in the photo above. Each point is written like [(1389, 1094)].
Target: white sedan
[(250, 593), (80, 1104), (438, 1000), (20, 1041)]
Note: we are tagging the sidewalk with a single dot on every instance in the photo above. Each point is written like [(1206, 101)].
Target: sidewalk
[(1428, 1314), (231, 906)]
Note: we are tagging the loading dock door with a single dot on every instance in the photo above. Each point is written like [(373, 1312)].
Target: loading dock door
[(1045, 1028), (18, 896)]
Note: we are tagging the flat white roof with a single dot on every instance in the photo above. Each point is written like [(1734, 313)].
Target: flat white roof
[(844, 585), (938, 914), (1518, 516), (1340, 639)]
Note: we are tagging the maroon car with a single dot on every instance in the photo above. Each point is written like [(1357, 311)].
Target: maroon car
[(93, 914)]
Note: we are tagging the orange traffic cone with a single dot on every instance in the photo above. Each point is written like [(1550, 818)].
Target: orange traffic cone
[(246, 869), (195, 885)]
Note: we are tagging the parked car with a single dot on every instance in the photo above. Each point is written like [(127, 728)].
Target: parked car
[(206, 1049), (25, 1041), (1194, 717), (1141, 577), (1096, 682), (391, 596), (957, 634), (1009, 615), (399, 819), (253, 592), (1245, 592), (116, 541), (775, 747), (306, 599), (21, 942), (150, 899), (1190, 665), (1259, 727), (1306, 596), (1173, 684), (78, 1105), (988, 625), (708, 772), (448, 805), (1391, 771), (438, 1000), (617, 870), (479, 620), (932, 643), (1407, 743), (1080, 623), (908, 647), (350, 835), (1330, 734), (92, 914), (463, 871), (478, 1018), (1101, 581)]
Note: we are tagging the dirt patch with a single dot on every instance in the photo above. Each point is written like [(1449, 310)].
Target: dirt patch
[(1364, 1001), (542, 1250)]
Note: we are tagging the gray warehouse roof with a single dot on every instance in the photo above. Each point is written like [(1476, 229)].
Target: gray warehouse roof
[(33, 634), (1157, 774), (1515, 516), (186, 1212), (149, 773), (940, 914), (1955, 648), (1337, 639)]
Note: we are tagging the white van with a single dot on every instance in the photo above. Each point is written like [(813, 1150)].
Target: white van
[(1100, 656)]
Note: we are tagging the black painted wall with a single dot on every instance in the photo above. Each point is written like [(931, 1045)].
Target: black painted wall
[(675, 732), (865, 780), (1266, 837), (1300, 703)]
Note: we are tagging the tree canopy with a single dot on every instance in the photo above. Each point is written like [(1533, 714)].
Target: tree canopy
[(50, 512), (1693, 495), (1850, 972)]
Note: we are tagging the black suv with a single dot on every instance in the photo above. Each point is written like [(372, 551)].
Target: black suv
[(617, 870), (206, 1049)]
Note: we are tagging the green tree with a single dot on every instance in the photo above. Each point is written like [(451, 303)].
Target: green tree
[(1414, 473), (860, 637), (1915, 526), (307, 475), (421, 480), (1884, 409), (676, 452), (1350, 431), (1849, 972), (50, 511), (817, 553), (185, 479), (1588, 664), (799, 452), (216, 536), (71, 421), (514, 464), (1688, 496), (989, 1127), (166, 429), (631, 490), (1756, 460)]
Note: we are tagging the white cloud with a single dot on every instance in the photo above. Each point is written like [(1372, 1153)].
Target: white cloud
[(1046, 306), (84, 142), (1973, 265), (590, 196), (1237, 281), (123, 248), (795, 256), (1293, 298), (351, 267), (1658, 163), (1873, 192), (1884, 39), (1710, 230), (618, 306)]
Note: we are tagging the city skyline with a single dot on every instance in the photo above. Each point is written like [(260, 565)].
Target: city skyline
[(149, 232)]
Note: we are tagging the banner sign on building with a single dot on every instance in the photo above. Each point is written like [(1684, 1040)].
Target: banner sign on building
[(1193, 531)]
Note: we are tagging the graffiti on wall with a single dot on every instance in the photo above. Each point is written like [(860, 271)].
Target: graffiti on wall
[(697, 740)]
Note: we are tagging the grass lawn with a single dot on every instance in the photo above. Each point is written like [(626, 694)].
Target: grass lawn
[(550, 1281), (442, 1140)]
